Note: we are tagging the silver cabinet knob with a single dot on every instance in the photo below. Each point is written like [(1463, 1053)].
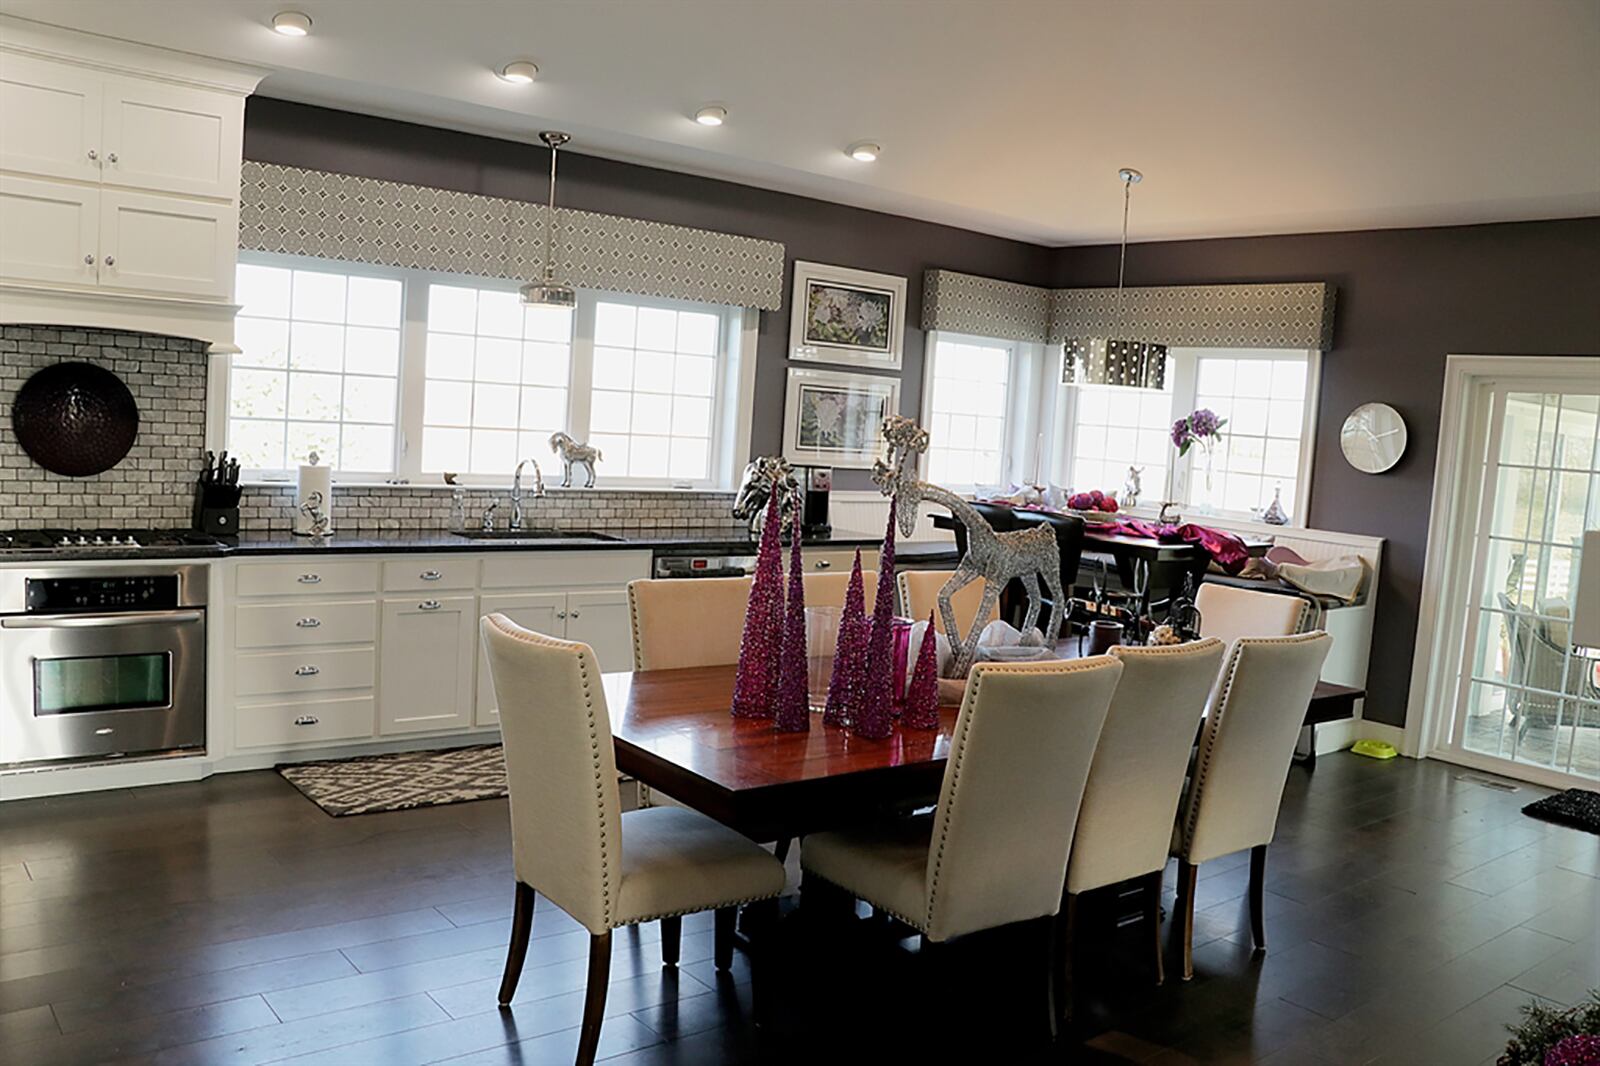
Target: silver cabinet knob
[(88, 260), (307, 671), (429, 605), (307, 719), (111, 260), (575, 614), (309, 579), (111, 158), (561, 614), (430, 575), (93, 154), (309, 623)]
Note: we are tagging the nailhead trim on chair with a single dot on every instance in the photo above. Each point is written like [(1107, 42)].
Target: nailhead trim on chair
[(1191, 813), (633, 620), (958, 746)]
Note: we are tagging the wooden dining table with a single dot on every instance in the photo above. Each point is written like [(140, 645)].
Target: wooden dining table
[(673, 731)]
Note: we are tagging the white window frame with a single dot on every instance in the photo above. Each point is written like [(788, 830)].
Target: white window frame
[(1185, 382), (1023, 399), (732, 406)]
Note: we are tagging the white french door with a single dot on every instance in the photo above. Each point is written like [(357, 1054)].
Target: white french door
[(1508, 691)]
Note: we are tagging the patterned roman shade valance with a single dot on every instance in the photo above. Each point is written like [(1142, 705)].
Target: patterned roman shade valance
[(1290, 315), (339, 216)]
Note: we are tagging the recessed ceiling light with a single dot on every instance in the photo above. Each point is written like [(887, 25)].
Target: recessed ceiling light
[(711, 115), (519, 73), (292, 23), (864, 152)]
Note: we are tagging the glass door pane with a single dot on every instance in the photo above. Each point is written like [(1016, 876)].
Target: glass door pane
[(1526, 695)]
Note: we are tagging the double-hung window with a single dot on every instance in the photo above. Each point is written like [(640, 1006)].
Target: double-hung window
[(394, 374), (971, 387)]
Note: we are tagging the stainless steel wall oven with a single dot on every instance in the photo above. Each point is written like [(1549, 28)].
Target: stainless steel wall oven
[(98, 662)]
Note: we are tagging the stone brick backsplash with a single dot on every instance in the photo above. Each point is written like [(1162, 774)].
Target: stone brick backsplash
[(360, 508), (154, 485)]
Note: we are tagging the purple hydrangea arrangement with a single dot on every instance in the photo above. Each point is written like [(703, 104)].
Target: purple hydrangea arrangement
[(1199, 428)]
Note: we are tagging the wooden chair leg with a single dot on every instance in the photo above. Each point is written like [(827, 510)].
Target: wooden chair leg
[(1186, 881), (1062, 965), (594, 1001), (726, 919), (1152, 916), (671, 939), (763, 933), (1258, 891), (517, 952)]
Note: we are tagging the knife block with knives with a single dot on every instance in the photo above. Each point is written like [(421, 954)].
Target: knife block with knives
[(216, 496)]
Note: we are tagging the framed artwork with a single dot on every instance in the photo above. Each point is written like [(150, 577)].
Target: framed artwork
[(835, 419), (851, 317)]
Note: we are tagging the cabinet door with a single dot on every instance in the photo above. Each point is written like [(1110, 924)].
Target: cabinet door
[(168, 245), (49, 119), (542, 612), (425, 664), (171, 138), (49, 231), (600, 620)]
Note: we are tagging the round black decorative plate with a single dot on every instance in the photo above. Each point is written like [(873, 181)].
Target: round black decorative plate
[(75, 419)]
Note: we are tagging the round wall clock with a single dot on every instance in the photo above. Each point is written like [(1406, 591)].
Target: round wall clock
[(1373, 438)]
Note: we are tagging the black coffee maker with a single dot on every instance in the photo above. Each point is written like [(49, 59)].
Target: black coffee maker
[(816, 485)]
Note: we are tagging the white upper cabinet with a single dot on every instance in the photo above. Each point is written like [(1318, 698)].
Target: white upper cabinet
[(50, 116), (119, 183), (171, 138)]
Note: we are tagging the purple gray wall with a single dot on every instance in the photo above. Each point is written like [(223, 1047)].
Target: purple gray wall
[(277, 131), (1407, 299)]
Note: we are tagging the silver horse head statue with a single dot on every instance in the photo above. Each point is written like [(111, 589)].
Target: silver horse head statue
[(755, 490)]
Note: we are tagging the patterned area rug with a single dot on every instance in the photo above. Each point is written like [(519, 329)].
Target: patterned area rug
[(374, 783), (1577, 807)]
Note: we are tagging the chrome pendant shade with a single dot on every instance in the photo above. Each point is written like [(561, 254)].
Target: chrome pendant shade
[(1119, 361), (548, 292)]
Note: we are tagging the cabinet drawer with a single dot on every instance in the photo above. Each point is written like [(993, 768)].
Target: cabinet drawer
[(312, 670), (421, 573), (299, 624), (821, 560), (545, 569), (303, 722), (310, 578)]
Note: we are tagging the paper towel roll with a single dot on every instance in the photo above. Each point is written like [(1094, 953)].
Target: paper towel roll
[(313, 496)]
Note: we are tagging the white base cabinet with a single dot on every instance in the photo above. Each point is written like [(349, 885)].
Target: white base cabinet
[(597, 618), (425, 664)]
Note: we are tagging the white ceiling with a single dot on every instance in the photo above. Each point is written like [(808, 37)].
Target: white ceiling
[(1006, 116)]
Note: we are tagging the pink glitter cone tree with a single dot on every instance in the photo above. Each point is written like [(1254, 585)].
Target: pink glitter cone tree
[(875, 719), (794, 693), (922, 701), (755, 687), (850, 653)]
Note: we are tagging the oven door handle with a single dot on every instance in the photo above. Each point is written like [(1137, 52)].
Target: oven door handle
[(100, 621)]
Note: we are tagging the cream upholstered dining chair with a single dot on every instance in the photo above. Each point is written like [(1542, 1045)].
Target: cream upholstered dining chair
[(919, 595), (1229, 613), (687, 622), (1240, 767), (1136, 780), (994, 851), (569, 839)]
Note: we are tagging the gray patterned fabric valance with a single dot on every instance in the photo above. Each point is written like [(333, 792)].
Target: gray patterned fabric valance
[(984, 307), (1298, 315), (1291, 315), (339, 216)]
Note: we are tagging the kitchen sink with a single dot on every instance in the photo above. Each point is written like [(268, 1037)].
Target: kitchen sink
[(534, 534)]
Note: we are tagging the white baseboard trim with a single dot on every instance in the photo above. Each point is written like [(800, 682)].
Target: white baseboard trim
[(1337, 736), (65, 780)]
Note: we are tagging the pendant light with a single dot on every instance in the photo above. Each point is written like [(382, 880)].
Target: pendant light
[(548, 292), (1130, 364)]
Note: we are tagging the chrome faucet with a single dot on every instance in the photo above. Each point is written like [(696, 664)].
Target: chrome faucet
[(516, 491)]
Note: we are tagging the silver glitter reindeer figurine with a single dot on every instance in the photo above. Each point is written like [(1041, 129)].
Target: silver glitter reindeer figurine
[(996, 557)]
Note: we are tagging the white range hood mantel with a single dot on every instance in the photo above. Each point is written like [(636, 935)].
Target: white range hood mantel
[(119, 184)]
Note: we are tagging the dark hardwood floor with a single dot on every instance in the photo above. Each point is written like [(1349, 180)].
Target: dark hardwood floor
[(1410, 911)]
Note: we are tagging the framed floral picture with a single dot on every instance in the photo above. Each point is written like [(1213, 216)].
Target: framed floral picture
[(836, 419), (852, 317)]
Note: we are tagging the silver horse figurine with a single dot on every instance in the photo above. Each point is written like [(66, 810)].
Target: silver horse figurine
[(1028, 554), (755, 490), (574, 454)]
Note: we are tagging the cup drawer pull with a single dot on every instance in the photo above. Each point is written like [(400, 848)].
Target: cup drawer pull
[(307, 719), (310, 579), (429, 605), (430, 575), (308, 623), (307, 671), (824, 564)]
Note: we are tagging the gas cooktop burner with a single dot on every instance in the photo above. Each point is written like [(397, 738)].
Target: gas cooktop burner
[(44, 540)]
